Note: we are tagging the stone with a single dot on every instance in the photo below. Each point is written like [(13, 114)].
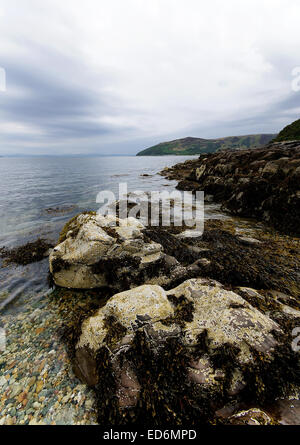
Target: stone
[(227, 318), (130, 310), (253, 416), (198, 308), (36, 405), (249, 240), (97, 244), (261, 183)]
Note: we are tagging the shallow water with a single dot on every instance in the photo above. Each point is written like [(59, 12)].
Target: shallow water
[(35, 359), (31, 186)]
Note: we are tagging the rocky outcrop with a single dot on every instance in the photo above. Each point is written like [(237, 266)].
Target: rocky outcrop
[(93, 253), (262, 183), (97, 251), (181, 355)]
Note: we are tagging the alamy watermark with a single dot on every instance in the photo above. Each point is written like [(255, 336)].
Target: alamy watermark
[(2, 80), (155, 208), (296, 341), (2, 340), (296, 79)]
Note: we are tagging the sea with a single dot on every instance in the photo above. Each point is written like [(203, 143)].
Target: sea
[(38, 195)]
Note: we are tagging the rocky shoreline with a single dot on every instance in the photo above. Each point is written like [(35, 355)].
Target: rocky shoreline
[(195, 330), (262, 183), (149, 325)]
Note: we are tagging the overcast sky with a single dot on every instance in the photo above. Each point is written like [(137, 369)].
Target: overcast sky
[(117, 76)]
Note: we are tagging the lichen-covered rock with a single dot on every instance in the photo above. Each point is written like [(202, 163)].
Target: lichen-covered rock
[(179, 354), (129, 309), (97, 251), (115, 324), (226, 318)]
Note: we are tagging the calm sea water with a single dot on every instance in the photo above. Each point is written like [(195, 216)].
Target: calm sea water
[(30, 186)]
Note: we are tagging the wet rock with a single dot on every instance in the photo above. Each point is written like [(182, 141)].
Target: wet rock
[(261, 183), (226, 318), (99, 251), (220, 254), (248, 240), (253, 416), (29, 253), (161, 353), (287, 411), (60, 210)]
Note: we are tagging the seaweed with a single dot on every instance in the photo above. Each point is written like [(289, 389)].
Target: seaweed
[(74, 307), (166, 396), (115, 270), (59, 264), (115, 331), (32, 252), (184, 311)]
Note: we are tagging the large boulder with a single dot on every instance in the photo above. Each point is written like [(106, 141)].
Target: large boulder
[(97, 251), (183, 352)]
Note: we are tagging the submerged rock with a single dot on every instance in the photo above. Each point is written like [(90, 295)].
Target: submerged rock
[(180, 355), (32, 252)]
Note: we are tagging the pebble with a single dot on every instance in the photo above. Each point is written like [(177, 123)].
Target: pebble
[(37, 384), (36, 405), (3, 381)]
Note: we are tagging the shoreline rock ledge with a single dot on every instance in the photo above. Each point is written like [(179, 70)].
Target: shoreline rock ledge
[(164, 342), (261, 183)]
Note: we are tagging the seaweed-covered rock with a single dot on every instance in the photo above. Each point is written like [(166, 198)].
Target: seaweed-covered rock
[(262, 183), (227, 319), (261, 261), (104, 251), (99, 251), (179, 355), (29, 253)]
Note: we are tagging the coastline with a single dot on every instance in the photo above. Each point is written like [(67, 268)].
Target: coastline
[(53, 395)]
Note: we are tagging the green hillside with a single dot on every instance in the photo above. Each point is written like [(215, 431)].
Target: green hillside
[(289, 133), (195, 146)]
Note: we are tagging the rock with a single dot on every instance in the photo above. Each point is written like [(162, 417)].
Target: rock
[(252, 293), (196, 342), (96, 253), (16, 390), (253, 416), (36, 405), (262, 183), (248, 240), (3, 381), (287, 411), (227, 318), (125, 312), (39, 386)]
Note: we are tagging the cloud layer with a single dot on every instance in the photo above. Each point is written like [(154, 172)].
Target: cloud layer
[(109, 76)]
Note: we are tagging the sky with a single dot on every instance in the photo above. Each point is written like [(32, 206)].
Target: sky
[(118, 76)]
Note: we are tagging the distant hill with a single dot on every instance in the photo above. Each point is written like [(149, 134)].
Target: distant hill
[(289, 133), (195, 146)]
